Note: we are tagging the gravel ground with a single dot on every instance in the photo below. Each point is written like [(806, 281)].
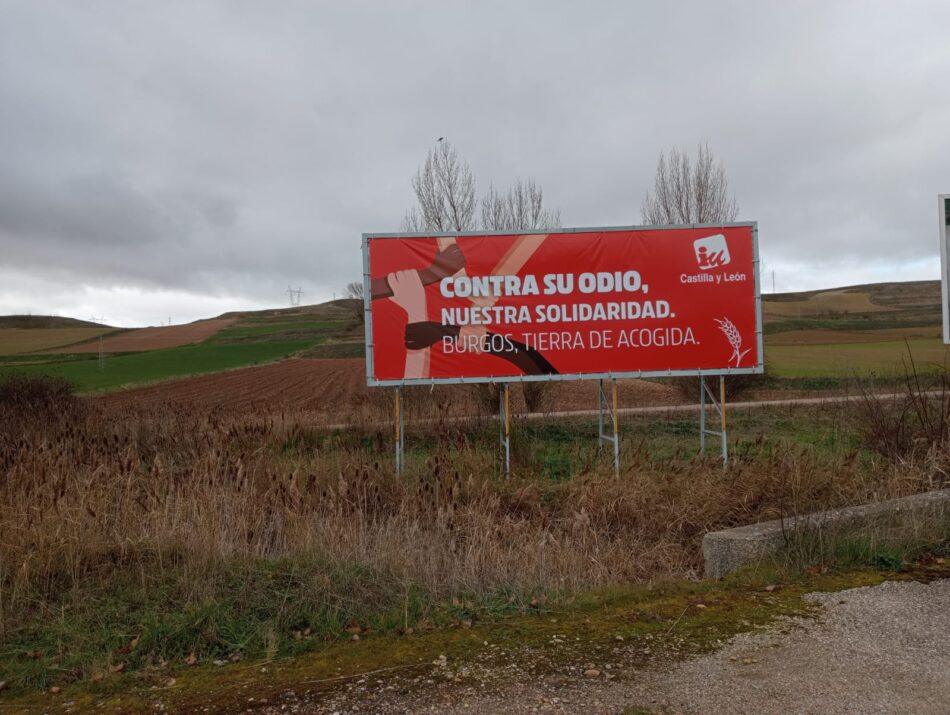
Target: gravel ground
[(881, 649)]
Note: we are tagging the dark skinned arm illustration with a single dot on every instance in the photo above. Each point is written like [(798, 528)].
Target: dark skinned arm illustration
[(446, 263), (423, 335)]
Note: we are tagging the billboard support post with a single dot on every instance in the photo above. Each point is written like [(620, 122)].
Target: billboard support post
[(604, 406), (943, 222), (504, 428), (400, 431), (720, 404)]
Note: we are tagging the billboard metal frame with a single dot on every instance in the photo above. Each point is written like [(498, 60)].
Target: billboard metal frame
[(371, 380), (942, 200)]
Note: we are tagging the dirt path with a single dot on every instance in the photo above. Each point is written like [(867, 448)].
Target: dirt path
[(880, 649)]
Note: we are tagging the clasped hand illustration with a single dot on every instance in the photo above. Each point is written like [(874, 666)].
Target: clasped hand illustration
[(406, 288)]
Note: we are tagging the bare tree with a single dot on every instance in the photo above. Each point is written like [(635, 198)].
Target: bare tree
[(445, 190), (445, 195), (494, 210), (688, 193), (354, 293), (413, 222), (520, 208)]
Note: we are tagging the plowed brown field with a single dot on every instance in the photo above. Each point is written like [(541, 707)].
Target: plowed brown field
[(338, 389), (16, 341), (142, 339)]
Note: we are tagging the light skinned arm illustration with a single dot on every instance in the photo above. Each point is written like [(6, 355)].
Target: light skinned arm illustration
[(410, 295)]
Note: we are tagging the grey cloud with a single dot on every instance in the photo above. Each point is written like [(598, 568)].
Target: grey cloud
[(229, 148)]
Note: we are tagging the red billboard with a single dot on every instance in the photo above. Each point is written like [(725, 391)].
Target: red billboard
[(565, 304)]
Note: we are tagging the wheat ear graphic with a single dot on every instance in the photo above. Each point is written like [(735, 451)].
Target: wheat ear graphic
[(734, 337)]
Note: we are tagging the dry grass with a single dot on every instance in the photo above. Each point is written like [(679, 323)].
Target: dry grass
[(161, 511), (86, 493)]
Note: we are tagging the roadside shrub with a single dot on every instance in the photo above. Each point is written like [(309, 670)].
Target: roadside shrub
[(36, 393), (537, 395), (911, 424), (487, 396), (736, 385)]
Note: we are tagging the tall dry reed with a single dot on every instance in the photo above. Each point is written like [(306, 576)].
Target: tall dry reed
[(91, 493)]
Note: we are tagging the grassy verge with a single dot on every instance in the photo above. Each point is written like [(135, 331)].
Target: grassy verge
[(137, 537), (135, 368), (630, 624), (139, 540)]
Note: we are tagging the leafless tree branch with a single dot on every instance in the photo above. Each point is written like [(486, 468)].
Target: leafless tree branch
[(687, 193), (445, 190), (520, 208), (354, 292)]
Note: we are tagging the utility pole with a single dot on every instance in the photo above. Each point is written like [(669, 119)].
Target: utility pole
[(773, 280), (102, 353), (294, 295)]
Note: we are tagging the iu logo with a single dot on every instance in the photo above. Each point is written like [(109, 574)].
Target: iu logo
[(711, 252)]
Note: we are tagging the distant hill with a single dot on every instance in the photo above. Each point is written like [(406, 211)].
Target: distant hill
[(870, 307), (45, 321), (333, 309), (886, 294)]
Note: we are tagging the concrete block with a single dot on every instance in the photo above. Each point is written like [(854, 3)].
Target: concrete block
[(727, 550)]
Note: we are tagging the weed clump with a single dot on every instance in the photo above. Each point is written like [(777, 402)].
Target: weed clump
[(21, 392), (910, 426), (737, 386)]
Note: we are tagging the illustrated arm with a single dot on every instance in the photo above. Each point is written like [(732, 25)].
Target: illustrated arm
[(410, 295), (447, 262)]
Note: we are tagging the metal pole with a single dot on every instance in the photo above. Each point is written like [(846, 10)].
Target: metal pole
[(399, 430), (600, 413), (722, 414), (702, 414), (507, 433), (616, 430)]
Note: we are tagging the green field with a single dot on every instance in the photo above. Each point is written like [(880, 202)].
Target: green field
[(855, 359), (134, 368), (255, 337)]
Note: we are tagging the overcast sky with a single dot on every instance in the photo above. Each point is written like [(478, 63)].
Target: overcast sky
[(179, 159)]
